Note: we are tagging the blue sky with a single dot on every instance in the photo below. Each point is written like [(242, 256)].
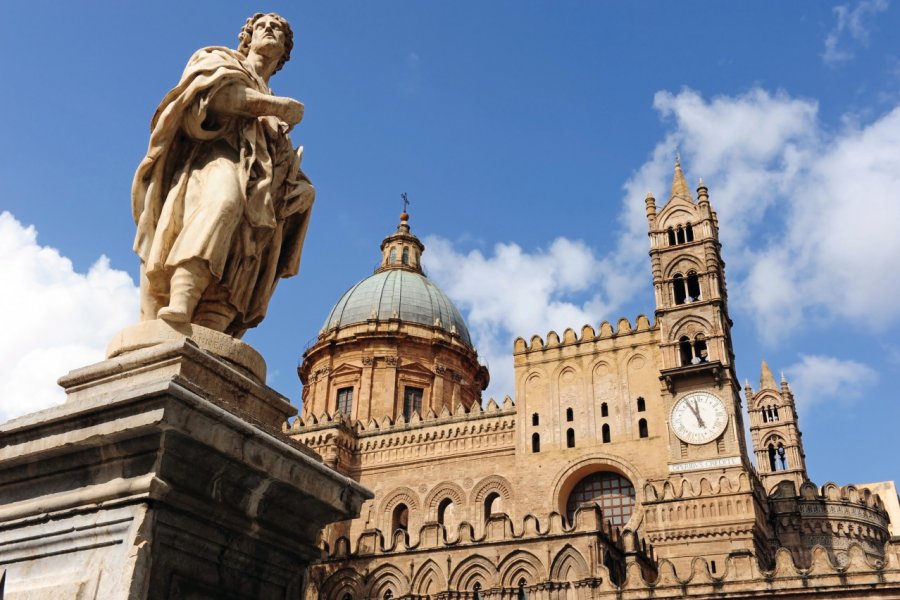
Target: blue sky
[(526, 135)]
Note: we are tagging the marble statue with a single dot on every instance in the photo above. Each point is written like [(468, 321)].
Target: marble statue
[(220, 202)]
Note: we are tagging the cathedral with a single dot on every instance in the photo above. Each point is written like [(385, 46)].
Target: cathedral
[(618, 470)]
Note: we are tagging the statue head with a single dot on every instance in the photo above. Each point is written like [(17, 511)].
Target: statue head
[(246, 36)]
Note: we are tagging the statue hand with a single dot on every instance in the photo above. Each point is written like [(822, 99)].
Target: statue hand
[(291, 111)]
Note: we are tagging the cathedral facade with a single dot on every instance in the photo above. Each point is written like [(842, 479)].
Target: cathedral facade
[(620, 468)]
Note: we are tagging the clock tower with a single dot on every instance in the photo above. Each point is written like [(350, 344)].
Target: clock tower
[(711, 495)]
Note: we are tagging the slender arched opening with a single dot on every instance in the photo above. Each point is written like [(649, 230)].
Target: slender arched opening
[(642, 428), (492, 505), (570, 438), (535, 442), (570, 415), (684, 349), (605, 433), (679, 288), (693, 286), (400, 518)]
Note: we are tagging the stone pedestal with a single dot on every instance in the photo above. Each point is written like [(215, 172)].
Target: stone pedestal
[(165, 475)]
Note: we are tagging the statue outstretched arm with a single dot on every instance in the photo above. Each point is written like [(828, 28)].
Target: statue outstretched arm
[(237, 99)]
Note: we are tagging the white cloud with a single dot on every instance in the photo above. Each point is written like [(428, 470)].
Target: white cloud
[(517, 293), (55, 319), (808, 216), (818, 378), (851, 25), (808, 221)]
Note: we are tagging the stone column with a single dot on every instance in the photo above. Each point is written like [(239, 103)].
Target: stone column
[(164, 475)]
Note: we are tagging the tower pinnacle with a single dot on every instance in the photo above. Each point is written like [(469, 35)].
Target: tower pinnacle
[(680, 187)]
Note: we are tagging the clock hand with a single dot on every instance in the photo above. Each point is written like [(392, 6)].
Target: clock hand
[(696, 410)]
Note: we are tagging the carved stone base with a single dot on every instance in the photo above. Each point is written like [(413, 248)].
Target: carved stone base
[(146, 334), (148, 483)]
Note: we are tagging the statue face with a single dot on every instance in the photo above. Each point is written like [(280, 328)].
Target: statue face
[(268, 37)]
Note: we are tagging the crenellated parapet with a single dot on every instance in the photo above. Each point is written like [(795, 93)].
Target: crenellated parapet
[(358, 444), (588, 336), (542, 569), (833, 517), (537, 557)]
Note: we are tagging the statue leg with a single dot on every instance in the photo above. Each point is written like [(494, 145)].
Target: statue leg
[(150, 304), (213, 211)]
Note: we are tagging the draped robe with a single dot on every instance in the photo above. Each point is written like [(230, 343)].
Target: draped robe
[(247, 249)]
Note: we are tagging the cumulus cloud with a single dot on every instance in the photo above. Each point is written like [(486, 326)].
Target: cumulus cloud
[(816, 378), (513, 292), (851, 26), (802, 208), (56, 319), (808, 221)]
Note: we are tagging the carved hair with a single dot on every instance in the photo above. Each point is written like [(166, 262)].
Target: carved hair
[(246, 35)]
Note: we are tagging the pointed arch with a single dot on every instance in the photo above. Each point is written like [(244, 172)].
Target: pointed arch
[(568, 565), (521, 564), (387, 578), (472, 570), (429, 580), (343, 582)]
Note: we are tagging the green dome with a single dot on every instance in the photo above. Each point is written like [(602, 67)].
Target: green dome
[(401, 294)]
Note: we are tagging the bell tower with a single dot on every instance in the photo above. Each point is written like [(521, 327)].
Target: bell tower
[(695, 329), (777, 441), (711, 494)]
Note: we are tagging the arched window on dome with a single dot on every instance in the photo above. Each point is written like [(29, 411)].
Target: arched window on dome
[(613, 492), (392, 257), (405, 258)]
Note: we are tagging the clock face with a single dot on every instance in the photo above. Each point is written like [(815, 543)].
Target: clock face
[(699, 418)]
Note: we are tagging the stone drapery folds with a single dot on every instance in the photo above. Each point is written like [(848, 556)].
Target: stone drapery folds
[(220, 202)]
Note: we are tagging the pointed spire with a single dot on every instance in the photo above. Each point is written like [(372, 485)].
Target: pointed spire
[(785, 388), (766, 379), (680, 187)]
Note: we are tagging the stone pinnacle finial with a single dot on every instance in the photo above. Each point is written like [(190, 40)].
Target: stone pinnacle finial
[(766, 379), (679, 183)]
